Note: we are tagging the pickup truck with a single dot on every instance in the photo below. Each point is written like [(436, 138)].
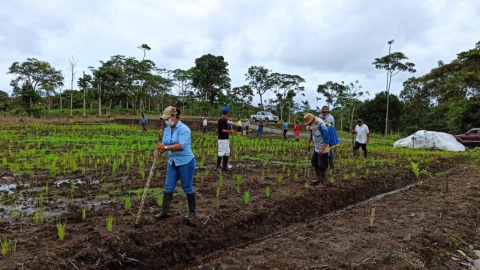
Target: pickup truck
[(470, 139), (265, 116)]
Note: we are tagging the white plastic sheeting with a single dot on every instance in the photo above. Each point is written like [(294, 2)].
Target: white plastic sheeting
[(423, 139)]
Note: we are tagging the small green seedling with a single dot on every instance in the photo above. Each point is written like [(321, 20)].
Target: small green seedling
[(246, 197), (267, 192), (110, 224), (84, 213), (128, 203), (61, 230)]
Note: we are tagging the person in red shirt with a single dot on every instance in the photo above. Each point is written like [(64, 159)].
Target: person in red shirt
[(296, 131)]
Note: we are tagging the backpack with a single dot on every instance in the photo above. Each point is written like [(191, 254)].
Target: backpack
[(330, 135)]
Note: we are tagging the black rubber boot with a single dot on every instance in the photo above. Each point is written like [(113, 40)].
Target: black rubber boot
[(225, 164), (365, 153), (191, 206), (167, 200), (219, 160), (319, 177), (323, 175)]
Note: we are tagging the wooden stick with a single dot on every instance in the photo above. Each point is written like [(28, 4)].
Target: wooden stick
[(372, 217), (147, 185), (233, 152)]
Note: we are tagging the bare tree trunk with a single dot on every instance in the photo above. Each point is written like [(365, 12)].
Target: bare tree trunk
[(149, 105), (109, 107), (71, 103), (72, 66), (61, 99), (388, 103), (31, 107)]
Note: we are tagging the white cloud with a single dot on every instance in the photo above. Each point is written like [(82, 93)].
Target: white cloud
[(318, 40)]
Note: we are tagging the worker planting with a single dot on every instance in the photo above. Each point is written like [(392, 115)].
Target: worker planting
[(64, 171)]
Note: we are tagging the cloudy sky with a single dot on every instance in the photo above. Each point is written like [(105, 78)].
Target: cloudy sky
[(316, 39)]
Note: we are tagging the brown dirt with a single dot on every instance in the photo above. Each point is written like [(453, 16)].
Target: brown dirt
[(177, 242), (421, 228)]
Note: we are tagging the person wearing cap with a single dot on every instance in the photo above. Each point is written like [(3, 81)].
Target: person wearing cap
[(204, 128), (326, 116), (329, 120), (321, 141), (224, 131), (363, 137), (144, 121), (239, 127), (181, 161)]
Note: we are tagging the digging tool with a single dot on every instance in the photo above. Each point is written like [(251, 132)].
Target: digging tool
[(147, 185), (306, 161)]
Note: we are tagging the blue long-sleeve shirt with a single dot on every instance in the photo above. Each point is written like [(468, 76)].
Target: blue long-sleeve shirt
[(181, 135), (320, 134)]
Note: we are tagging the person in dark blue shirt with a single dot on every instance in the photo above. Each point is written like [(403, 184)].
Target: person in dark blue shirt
[(181, 161)]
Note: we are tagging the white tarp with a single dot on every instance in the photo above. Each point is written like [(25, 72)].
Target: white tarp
[(423, 139)]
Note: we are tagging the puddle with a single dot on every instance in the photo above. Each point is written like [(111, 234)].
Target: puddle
[(8, 187), (60, 182)]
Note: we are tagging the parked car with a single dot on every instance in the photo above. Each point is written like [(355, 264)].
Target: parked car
[(265, 116), (470, 139)]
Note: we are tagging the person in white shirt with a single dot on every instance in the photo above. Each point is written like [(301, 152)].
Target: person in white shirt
[(204, 129), (363, 137)]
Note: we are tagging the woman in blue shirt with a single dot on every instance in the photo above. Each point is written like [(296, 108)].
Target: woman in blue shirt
[(285, 129), (181, 161)]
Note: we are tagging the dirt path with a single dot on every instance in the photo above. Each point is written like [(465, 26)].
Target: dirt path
[(417, 229)]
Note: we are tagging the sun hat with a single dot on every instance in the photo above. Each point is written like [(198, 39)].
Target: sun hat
[(309, 118), (168, 112), (325, 109)]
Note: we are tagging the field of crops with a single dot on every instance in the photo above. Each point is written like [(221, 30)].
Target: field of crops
[(70, 193)]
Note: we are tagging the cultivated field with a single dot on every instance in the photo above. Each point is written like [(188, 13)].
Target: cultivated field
[(70, 193)]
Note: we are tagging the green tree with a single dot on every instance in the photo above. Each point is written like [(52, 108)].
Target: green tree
[(182, 82), (286, 87), (260, 80), (393, 63), (34, 76), (331, 91), (372, 112), (210, 76), (240, 98), (4, 101)]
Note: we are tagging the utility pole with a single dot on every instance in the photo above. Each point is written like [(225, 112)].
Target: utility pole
[(387, 88), (100, 98), (84, 95)]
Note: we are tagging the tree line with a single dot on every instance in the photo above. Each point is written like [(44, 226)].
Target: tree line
[(446, 99)]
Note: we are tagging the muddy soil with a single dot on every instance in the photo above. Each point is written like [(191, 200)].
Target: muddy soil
[(427, 227), (177, 242)]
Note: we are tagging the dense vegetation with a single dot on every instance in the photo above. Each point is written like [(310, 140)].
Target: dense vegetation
[(446, 99)]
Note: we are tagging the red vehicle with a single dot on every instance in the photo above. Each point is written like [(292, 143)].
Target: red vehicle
[(470, 139)]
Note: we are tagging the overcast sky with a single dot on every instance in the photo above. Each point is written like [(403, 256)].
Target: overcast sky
[(318, 40)]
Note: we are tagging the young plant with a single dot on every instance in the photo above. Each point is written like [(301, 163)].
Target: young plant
[(367, 172), (84, 213), (46, 190), (38, 217), (267, 192), (280, 179), (61, 230), (40, 200), (110, 224), (128, 203), (5, 246), (239, 180), (415, 169), (246, 197)]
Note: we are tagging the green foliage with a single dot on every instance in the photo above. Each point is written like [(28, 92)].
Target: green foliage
[(128, 203), (38, 217), (61, 230), (210, 76), (246, 197), (267, 192), (415, 169), (110, 224), (84, 213)]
